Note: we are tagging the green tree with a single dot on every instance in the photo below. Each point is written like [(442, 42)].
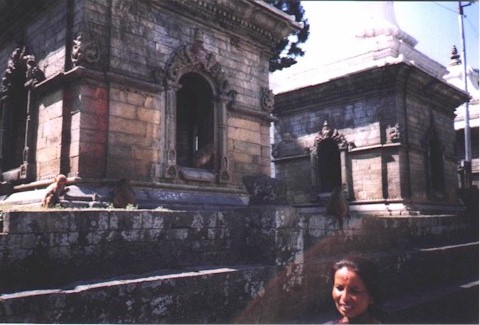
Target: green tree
[(288, 49)]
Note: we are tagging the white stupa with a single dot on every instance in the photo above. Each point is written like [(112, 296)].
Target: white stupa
[(377, 41)]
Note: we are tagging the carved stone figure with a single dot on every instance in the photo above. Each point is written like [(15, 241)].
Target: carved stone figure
[(84, 51), (393, 133), (55, 191), (328, 132), (33, 75), (268, 99)]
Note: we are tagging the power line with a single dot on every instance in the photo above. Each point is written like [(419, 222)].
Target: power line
[(474, 30), (445, 7)]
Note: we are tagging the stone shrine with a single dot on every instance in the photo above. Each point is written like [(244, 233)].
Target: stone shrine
[(171, 98), (379, 124), (172, 95)]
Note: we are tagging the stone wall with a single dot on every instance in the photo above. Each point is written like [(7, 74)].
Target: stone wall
[(107, 108), (41, 248), (260, 264), (395, 136)]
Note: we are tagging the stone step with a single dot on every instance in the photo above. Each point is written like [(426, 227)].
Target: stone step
[(403, 272), (208, 295), (189, 295), (454, 303), (366, 233)]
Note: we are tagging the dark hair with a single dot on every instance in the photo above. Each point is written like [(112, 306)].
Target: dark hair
[(370, 275)]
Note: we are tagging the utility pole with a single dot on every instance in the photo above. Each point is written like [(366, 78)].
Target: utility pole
[(467, 162)]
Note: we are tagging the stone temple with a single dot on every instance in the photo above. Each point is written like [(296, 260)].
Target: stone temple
[(102, 90), (379, 124), (174, 97)]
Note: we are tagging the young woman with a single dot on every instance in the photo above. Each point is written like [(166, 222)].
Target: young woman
[(356, 291)]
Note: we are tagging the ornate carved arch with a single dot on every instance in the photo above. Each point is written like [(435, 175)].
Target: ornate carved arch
[(16, 125), (195, 58), (329, 135)]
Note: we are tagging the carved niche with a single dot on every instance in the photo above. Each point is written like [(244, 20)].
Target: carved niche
[(194, 58), (328, 160), (16, 99)]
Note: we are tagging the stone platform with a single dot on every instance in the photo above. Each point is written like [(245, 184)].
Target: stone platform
[(262, 264)]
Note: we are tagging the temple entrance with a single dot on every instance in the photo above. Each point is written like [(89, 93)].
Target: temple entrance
[(13, 114), (329, 168), (195, 123)]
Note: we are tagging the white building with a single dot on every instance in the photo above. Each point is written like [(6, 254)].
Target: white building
[(455, 78)]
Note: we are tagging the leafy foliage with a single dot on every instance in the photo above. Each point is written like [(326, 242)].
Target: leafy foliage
[(288, 49)]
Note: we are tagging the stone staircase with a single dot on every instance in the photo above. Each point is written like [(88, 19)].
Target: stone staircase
[(429, 267), (428, 263)]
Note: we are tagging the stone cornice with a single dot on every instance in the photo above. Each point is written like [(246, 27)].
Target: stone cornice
[(94, 75), (359, 84), (246, 18)]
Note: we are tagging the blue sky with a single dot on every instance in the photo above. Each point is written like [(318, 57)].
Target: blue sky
[(435, 25)]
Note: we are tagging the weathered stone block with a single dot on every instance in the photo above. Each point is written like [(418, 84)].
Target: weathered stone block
[(265, 190)]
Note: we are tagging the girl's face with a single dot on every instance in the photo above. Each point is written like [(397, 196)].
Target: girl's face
[(350, 294)]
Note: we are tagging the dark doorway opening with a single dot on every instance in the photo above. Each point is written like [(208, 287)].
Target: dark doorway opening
[(329, 167), (195, 123), (13, 116)]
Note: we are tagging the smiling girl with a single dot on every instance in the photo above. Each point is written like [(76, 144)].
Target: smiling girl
[(356, 291)]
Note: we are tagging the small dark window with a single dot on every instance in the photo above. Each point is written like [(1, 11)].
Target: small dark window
[(435, 162), (329, 171)]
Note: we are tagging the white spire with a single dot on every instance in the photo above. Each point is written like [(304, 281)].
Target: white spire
[(378, 18)]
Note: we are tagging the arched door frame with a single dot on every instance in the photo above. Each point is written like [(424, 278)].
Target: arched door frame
[(343, 147), (196, 59), (23, 67)]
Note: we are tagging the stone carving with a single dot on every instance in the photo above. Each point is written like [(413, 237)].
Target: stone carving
[(265, 190), (172, 171), (268, 99), (276, 150), (158, 75), (20, 62), (196, 57), (328, 132), (224, 173), (85, 51), (33, 75), (393, 133)]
